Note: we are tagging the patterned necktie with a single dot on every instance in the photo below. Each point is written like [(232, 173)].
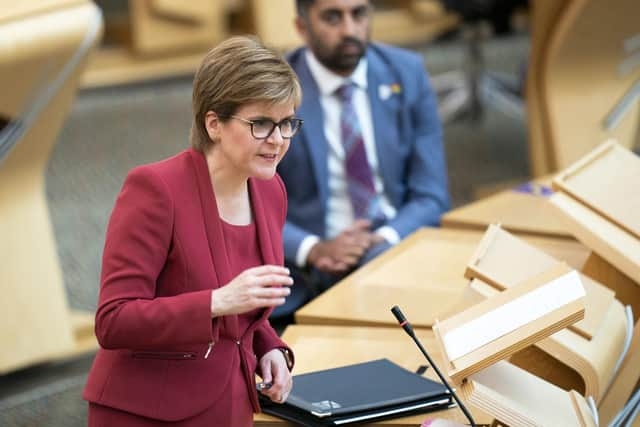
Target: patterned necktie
[(359, 177)]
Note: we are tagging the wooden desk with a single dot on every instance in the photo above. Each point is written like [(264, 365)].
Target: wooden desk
[(424, 275), (517, 211), (325, 347)]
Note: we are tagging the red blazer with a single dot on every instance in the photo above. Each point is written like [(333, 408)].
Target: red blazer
[(163, 255)]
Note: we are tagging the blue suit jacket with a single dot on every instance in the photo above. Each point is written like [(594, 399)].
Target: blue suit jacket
[(408, 138)]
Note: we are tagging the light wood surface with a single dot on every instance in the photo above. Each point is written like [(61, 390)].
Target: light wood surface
[(163, 27), (569, 360), (589, 348), (624, 383), (119, 65), (517, 398), (594, 360), (37, 324), (590, 35), (500, 348), (605, 238), (606, 181), (597, 203), (516, 211), (627, 290), (503, 260), (544, 17), (273, 22), (325, 347), (423, 275), (412, 21)]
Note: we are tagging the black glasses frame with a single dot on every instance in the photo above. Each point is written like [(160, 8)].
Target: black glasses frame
[(298, 122)]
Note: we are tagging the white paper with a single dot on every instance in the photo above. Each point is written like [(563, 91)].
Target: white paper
[(513, 315)]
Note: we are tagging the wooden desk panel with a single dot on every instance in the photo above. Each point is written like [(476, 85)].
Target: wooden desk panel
[(516, 211), (325, 347), (424, 275)]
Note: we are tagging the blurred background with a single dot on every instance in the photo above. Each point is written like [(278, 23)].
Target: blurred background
[(92, 89)]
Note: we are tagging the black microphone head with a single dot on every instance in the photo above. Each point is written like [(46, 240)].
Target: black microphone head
[(398, 314)]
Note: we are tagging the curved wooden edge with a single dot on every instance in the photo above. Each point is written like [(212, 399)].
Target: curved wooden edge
[(546, 14), (623, 384), (39, 326), (561, 27), (588, 36), (593, 360)]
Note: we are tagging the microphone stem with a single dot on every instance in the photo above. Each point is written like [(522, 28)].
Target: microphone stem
[(435, 368)]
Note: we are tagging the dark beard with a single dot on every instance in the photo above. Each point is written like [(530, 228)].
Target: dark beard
[(339, 61)]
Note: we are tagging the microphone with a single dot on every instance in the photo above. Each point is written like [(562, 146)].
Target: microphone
[(409, 330)]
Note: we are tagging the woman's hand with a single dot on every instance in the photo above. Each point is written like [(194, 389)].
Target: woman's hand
[(257, 287), (275, 372)]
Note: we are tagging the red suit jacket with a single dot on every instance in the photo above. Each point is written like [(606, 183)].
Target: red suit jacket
[(164, 253)]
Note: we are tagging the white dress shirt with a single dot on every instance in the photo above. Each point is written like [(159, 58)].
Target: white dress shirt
[(339, 209)]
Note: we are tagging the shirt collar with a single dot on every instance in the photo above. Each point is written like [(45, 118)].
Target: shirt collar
[(328, 81)]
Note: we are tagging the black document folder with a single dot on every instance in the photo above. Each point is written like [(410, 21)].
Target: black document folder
[(358, 393)]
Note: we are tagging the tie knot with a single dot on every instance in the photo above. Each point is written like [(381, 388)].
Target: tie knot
[(345, 92)]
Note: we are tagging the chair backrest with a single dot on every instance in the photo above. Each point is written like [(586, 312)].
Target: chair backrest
[(163, 27), (590, 78), (44, 47)]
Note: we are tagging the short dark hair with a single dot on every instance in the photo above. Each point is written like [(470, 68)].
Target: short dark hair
[(239, 71), (302, 7)]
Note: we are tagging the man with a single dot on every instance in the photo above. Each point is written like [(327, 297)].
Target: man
[(368, 167)]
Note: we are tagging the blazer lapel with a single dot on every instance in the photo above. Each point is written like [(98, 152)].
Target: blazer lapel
[(265, 240), (262, 226), (383, 113), (313, 129), (215, 234)]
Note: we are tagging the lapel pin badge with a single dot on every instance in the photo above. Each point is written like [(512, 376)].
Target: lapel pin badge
[(385, 91)]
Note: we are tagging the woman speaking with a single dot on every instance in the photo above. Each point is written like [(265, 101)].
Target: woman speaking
[(192, 262)]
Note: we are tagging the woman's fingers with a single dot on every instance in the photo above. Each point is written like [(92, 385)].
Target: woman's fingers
[(270, 292), (273, 280), (266, 269), (257, 287)]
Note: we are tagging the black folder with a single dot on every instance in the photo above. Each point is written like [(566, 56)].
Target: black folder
[(358, 393)]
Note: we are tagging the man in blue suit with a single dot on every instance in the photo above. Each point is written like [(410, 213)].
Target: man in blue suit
[(368, 166)]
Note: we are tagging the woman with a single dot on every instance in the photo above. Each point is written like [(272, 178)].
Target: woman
[(192, 263)]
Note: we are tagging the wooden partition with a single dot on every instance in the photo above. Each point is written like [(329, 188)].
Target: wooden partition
[(523, 209), (544, 17), (597, 200), (592, 45), (43, 50)]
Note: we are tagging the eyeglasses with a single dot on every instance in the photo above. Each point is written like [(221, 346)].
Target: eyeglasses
[(263, 128)]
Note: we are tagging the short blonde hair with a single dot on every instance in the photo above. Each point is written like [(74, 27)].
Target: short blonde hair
[(239, 71)]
